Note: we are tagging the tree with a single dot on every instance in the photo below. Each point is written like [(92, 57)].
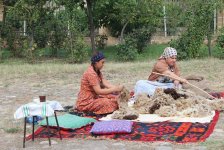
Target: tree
[(135, 13), (91, 24), (199, 18), (29, 10)]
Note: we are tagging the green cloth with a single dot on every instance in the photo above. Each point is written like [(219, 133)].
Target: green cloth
[(68, 121)]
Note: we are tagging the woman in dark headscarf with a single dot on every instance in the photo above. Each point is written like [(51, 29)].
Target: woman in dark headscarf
[(96, 93), (165, 65)]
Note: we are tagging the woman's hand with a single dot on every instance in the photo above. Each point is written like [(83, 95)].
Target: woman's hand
[(118, 88), (183, 81), (176, 83)]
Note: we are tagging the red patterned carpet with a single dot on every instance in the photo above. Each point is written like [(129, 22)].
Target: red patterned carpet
[(180, 132)]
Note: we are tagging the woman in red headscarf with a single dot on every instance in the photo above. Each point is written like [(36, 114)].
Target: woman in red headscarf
[(96, 93)]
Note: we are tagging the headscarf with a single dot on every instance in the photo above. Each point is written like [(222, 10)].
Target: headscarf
[(97, 57), (169, 52)]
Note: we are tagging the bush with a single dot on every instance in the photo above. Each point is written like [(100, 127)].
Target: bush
[(127, 51), (101, 41), (180, 47), (220, 44), (77, 50), (142, 37)]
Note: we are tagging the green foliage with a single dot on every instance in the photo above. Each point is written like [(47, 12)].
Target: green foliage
[(101, 41), (199, 19), (29, 51), (78, 52), (127, 51), (220, 43), (1, 51), (175, 18), (57, 38), (115, 14), (11, 35), (152, 52), (43, 28), (142, 36)]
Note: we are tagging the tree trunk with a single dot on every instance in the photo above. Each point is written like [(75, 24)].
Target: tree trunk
[(4, 14), (209, 38), (91, 25), (31, 41), (122, 32), (209, 45)]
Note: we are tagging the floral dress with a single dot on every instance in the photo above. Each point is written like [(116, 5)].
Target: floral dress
[(89, 101)]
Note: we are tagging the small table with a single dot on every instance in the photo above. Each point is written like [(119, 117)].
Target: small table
[(33, 109)]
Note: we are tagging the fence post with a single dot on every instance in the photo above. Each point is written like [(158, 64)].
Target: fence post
[(24, 27), (215, 20), (164, 13)]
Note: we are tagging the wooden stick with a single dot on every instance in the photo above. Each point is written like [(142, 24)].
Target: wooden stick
[(187, 83)]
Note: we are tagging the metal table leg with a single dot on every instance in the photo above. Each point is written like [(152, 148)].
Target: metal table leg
[(57, 124), (49, 138), (24, 137), (33, 128)]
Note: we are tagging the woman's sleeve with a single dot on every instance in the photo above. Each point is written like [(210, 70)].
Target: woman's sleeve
[(160, 67), (92, 78)]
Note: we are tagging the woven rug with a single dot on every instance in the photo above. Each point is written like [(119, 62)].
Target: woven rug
[(180, 132)]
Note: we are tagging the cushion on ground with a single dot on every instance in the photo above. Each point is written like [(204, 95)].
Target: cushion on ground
[(113, 126), (68, 121)]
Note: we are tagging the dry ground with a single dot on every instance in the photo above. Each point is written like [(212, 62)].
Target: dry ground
[(20, 83)]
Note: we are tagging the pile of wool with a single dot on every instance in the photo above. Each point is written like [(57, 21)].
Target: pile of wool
[(167, 103), (182, 103), (186, 108), (145, 104), (124, 112), (142, 103)]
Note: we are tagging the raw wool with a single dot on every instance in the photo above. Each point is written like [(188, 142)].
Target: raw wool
[(145, 104), (124, 112), (185, 108), (166, 111), (187, 104), (174, 93), (217, 104), (159, 99), (123, 99), (142, 103)]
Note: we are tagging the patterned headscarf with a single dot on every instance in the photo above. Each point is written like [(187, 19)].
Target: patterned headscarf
[(169, 52), (97, 57)]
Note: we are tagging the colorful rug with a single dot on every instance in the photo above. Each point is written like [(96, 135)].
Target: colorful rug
[(217, 94), (180, 132)]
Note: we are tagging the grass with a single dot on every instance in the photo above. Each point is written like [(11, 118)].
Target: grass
[(152, 51), (133, 71), (12, 130), (62, 82), (212, 144)]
